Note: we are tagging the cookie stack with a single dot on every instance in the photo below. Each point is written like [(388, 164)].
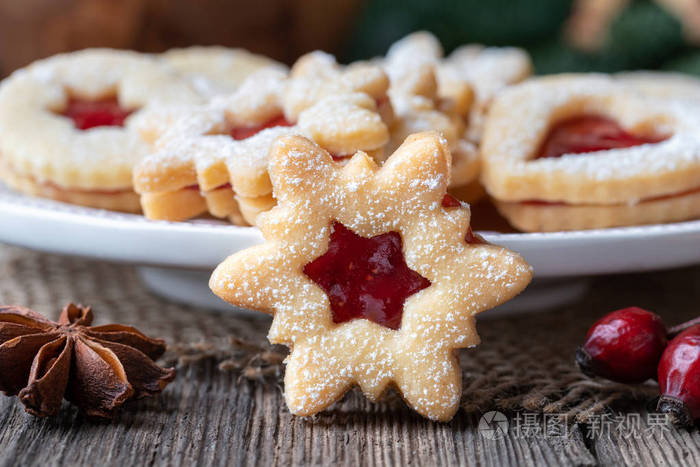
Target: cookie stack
[(213, 158)]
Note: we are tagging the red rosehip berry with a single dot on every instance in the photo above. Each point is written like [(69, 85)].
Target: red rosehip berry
[(623, 346), (679, 377)]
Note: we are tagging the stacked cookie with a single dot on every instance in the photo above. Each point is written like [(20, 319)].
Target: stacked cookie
[(213, 158), (451, 95)]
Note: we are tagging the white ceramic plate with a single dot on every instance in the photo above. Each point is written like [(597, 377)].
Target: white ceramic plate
[(201, 244), (177, 257)]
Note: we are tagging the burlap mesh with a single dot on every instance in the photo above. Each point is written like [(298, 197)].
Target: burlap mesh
[(524, 362)]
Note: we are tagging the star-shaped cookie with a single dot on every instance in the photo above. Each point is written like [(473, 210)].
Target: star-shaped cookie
[(350, 246)]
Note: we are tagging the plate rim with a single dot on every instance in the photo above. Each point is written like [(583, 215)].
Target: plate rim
[(552, 254), (10, 200)]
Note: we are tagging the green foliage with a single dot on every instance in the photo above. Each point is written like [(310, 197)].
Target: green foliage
[(688, 62), (642, 36), (454, 22)]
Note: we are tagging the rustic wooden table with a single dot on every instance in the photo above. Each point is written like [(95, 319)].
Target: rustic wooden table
[(219, 412)]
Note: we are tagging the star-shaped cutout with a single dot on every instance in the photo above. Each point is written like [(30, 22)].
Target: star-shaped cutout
[(403, 198), (365, 277)]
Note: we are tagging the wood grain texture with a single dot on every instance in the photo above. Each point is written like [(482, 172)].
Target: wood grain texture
[(213, 414), (652, 444), (209, 417)]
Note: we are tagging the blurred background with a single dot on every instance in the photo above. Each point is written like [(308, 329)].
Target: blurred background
[(561, 35)]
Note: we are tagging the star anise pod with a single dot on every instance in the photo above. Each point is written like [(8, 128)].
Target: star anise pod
[(96, 368)]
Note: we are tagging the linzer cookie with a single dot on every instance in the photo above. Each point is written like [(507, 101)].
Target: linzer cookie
[(587, 151), (421, 104), (214, 158), (450, 95), (317, 74), (66, 124), (372, 275), (217, 70), (486, 70)]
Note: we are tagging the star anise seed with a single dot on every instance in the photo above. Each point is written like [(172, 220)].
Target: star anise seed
[(96, 368)]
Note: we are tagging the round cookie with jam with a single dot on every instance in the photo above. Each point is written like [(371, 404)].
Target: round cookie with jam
[(574, 152), (66, 124)]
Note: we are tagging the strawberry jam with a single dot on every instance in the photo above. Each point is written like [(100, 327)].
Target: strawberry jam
[(449, 201), (245, 132), (88, 114), (474, 239), (365, 277), (589, 134)]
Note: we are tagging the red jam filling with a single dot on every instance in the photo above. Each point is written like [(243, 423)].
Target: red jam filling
[(88, 114), (245, 132), (381, 101), (196, 187), (474, 239), (365, 277), (589, 134), (449, 201)]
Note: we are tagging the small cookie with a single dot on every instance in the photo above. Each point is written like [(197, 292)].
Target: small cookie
[(420, 104), (66, 124), (372, 275), (486, 70), (589, 141), (317, 75), (450, 95), (216, 70), (222, 148)]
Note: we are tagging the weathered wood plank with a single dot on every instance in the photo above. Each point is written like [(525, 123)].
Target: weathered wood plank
[(652, 443), (215, 418)]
